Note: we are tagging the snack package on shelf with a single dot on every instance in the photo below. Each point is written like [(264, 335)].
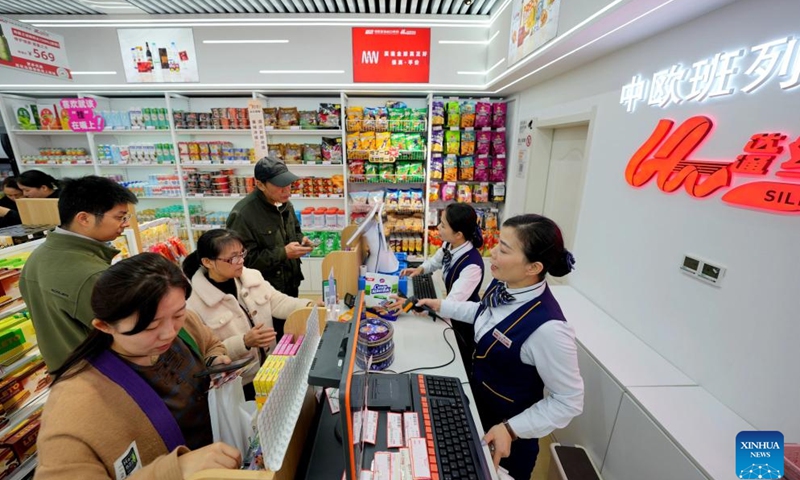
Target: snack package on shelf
[(453, 113), (498, 169), (437, 112), (483, 115), (466, 169), (484, 142), (288, 117), (329, 115), (450, 168), (499, 143), (332, 150), (499, 111), (437, 139), (467, 114), (468, 142), (355, 116), (498, 192), (437, 167), (452, 142), (482, 165)]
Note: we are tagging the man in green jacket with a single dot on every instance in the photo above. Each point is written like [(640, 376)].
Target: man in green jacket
[(59, 276), (266, 221)]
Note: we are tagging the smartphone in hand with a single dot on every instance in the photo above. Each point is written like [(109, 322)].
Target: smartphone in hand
[(222, 368)]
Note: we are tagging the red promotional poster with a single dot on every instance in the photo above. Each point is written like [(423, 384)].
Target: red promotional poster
[(391, 55), (36, 51)]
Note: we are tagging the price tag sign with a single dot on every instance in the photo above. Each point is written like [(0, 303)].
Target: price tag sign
[(33, 50)]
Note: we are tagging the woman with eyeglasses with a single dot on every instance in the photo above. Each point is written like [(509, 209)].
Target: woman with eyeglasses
[(234, 301)]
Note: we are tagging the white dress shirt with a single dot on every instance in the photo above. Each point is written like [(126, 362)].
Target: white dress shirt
[(469, 278), (551, 349)]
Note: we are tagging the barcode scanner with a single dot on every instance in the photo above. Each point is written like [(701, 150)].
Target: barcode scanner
[(411, 304)]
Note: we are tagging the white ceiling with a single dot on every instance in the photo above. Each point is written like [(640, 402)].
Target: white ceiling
[(217, 7)]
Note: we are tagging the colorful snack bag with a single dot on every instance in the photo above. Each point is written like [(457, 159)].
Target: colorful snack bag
[(357, 170), (498, 171), (482, 168), (352, 141), (417, 120), (452, 142), (276, 150), (332, 149), (464, 193), (468, 114), (480, 193), (414, 142), (399, 141), (437, 139), (466, 169), (372, 172), (417, 202), (437, 167), (499, 192), (308, 119), (499, 115), (433, 193), (312, 153), (468, 142), (288, 117), (483, 115), (368, 123), (448, 192), (397, 119), (437, 112), (404, 202), (386, 173), (381, 119), (392, 200), (499, 143), (453, 114), (484, 142), (366, 141), (450, 168), (271, 117), (355, 115), (383, 140), (293, 153), (329, 115), (416, 172)]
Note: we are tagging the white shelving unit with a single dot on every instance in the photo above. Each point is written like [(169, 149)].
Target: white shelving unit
[(28, 142)]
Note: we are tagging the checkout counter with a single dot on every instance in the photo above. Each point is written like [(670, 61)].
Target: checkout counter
[(420, 345)]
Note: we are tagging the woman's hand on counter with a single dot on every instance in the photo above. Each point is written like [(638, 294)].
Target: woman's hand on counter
[(498, 437), (412, 272), (433, 303)]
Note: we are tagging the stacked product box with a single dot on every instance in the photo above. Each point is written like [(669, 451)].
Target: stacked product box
[(214, 152), (58, 155), (147, 118)]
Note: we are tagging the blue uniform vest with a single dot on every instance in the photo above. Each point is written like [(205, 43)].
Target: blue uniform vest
[(465, 332), (473, 257), (503, 385)]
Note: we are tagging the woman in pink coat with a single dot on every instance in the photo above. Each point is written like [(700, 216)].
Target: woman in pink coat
[(234, 301)]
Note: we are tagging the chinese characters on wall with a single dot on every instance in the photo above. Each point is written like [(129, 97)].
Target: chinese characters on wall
[(723, 74)]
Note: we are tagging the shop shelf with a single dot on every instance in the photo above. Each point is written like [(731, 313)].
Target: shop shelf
[(134, 132), (25, 468), (55, 165), (136, 165), (208, 131), (48, 132)]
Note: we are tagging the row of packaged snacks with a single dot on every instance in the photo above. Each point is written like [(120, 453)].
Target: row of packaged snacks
[(362, 171), (468, 113), (481, 168), (328, 151), (468, 142), (327, 116), (317, 186), (368, 141), (325, 243), (214, 152), (67, 155), (466, 193), (397, 223), (408, 243), (411, 200), (382, 119), (218, 183)]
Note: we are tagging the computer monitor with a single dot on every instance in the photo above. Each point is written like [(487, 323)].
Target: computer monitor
[(381, 258)]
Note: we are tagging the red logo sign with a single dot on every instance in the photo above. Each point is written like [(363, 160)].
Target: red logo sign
[(391, 55), (665, 156)]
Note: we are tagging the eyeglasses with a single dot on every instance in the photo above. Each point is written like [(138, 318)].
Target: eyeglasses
[(122, 219), (234, 260)]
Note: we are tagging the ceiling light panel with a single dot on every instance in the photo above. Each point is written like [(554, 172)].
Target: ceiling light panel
[(45, 7)]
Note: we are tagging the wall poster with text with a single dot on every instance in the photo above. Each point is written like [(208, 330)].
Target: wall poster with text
[(157, 55), (533, 23)]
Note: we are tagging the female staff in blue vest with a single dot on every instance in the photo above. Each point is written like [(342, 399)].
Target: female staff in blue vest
[(463, 267), (523, 344)]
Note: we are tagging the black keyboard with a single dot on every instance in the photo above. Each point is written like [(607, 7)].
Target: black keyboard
[(423, 286), (449, 429)]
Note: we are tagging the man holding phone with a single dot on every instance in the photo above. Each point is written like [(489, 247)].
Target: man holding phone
[(266, 221)]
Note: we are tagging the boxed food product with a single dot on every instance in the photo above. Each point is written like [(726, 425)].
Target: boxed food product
[(48, 117), (26, 117), (19, 388), (378, 287)]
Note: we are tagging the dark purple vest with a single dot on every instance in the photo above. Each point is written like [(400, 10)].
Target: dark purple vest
[(503, 385), (473, 257)]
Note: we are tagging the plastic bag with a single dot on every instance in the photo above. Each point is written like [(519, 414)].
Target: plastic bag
[(232, 418)]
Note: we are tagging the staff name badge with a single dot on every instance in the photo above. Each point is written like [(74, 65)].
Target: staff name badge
[(497, 334), (128, 462)]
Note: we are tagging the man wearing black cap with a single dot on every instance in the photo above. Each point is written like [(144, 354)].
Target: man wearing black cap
[(266, 221)]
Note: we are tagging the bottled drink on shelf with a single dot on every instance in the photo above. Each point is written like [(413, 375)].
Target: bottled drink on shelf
[(149, 55)]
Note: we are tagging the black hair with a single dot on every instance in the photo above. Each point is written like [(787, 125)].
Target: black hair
[(542, 241), (462, 218), (11, 182), (91, 194), (37, 179), (134, 286), (209, 245)]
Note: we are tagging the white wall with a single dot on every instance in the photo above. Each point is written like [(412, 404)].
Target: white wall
[(309, 47), (737, 341)]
